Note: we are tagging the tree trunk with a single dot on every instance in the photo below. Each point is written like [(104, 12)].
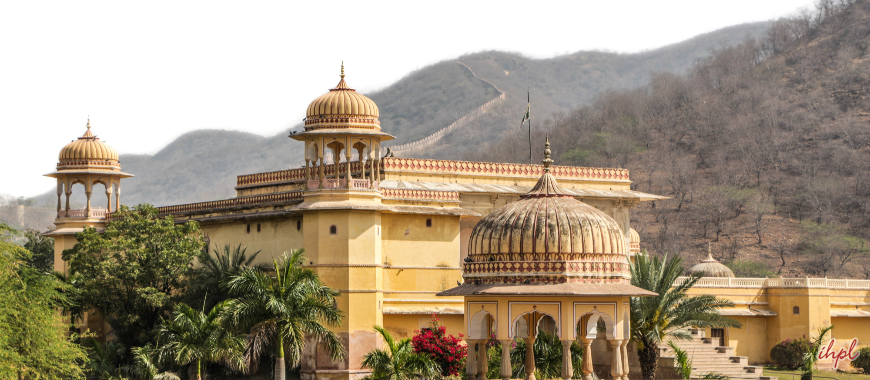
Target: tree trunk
[(649, 359), (280, 372), (199, 370)]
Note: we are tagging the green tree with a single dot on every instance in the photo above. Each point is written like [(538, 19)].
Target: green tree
[(654, 320), (134, 272), (207, 283), (41, 250), (279, 309), (196, 337), (33, 342), (398, 361)]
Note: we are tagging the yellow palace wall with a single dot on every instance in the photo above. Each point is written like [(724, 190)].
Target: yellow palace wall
[(815, 306)]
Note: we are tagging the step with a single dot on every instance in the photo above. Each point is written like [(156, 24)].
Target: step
[(754, 369)]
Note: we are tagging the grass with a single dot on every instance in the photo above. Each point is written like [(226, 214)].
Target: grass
[(796, 375)]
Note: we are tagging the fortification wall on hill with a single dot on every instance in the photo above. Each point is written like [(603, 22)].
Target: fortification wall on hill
[(463, 121)]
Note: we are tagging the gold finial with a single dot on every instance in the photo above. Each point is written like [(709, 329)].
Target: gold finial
[(547, 161), (342, 69), (709, 251), (89, 121)]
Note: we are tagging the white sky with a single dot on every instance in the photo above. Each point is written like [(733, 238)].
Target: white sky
[(146, 72)]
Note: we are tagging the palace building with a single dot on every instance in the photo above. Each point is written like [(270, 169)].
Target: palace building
[(497, 250)]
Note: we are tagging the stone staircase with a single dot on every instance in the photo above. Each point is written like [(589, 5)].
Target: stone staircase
[(707, 356)]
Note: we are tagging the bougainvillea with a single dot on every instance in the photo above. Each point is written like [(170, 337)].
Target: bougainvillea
[(789, 353), (447, 350)]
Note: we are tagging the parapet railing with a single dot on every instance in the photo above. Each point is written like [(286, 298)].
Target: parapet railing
[(806, 282), (444, 196), (421, 165), (227, 203)]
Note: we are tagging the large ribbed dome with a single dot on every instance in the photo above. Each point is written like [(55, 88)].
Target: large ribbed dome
[(547, 236), (86, 151), (710, 267), (342, 107)]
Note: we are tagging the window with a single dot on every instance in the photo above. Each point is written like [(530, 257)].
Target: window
[(796, 310), (299, 225), (428, 222), (258, 227), (333, 230), (249, 229)]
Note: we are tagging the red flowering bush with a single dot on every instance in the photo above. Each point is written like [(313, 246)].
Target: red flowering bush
[(789, 354), (445, 349)]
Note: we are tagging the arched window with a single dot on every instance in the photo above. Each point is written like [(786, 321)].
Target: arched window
[(333, 230), (249, 229), (428, 222), (796, 310), (299, 225), (258, 227)]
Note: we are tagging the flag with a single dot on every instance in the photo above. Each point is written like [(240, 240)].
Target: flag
[(528, 115)]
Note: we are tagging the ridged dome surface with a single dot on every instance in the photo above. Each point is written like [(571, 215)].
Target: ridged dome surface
[(710, 267), (87, 150), (342, 107), (547, 236)]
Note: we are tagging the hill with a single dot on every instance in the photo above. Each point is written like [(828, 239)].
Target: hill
[(202, 165), (762, 147)]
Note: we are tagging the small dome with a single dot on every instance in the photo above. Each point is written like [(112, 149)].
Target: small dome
[(634, 239), (709, 267), (342, 107), (548, 236), (87, 150)]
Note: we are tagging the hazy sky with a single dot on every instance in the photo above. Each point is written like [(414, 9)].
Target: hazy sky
[(146, 72)]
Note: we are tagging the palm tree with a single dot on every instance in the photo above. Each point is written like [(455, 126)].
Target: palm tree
[(214, 271), (196, 337), (279, 309), (656, 319), (144, 365), (810, 358), (398, 361)]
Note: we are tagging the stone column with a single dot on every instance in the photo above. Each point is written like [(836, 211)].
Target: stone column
[(587, 358), (482, 360), (349, 154), (616, 358), (506, 371), (307, 171), (567, 364), (320, 176), (88, 205), (66, 207), (530, 358), (377, 170), (471, 360), (108, 199), (118, 196), (59, 192), (336, 160), (625, 359)]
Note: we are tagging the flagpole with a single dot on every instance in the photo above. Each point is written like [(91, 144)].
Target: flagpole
[(529, 102)]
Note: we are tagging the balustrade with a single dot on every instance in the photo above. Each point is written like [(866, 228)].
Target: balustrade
[(716, 282), (82, 213)]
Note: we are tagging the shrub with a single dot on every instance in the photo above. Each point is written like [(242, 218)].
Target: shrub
[(789, 353), (863, 360), (445, 349), (750, 268)]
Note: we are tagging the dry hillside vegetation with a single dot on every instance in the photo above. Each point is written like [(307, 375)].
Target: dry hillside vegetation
[(762, 147), (203, 165)]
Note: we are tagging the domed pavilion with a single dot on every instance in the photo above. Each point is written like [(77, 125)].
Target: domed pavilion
[(86, 161), (547, 262), (342, 122), (711, 267)]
